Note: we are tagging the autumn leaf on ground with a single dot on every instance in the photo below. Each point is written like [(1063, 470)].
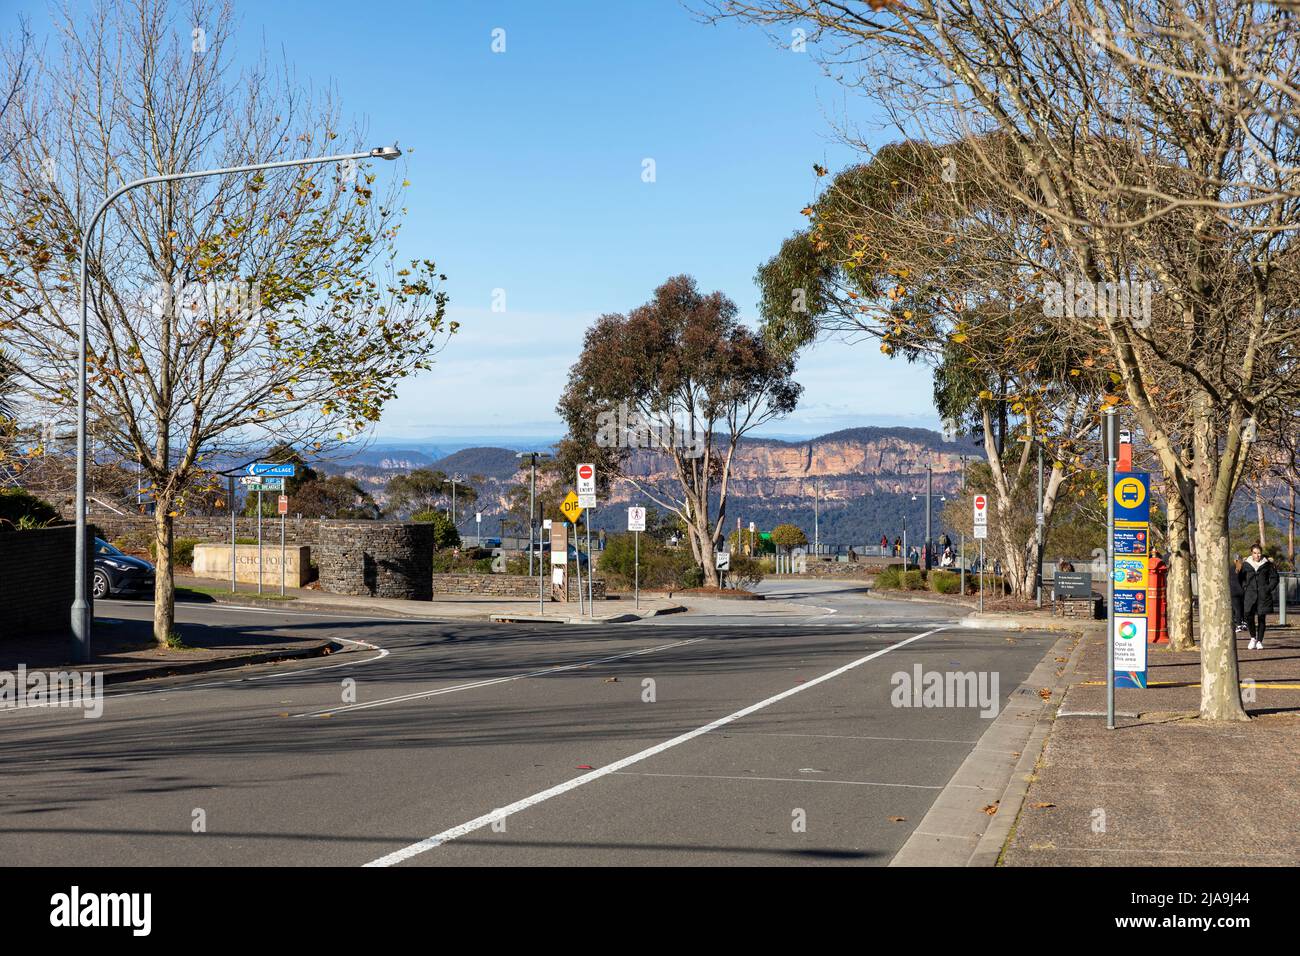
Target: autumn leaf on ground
[(898, 819), (1045, 693), (992, 808), (1042, 806)]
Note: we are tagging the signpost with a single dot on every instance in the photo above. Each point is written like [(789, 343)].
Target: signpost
[(722, 561), (1130, 539), (636, 524), (981, 524), (282, 506)]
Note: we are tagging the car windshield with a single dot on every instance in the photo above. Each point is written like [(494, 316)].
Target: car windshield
[(103, 547)]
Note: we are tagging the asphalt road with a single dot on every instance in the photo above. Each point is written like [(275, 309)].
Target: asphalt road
[(687, 740)]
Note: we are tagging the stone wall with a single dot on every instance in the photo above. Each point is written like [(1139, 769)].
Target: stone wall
[(1089, 609), (390, 559), (508, 586), (37, 580), (214, 528)]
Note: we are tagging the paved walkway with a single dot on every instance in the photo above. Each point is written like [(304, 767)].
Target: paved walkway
[(443, 607), (1164, 788)]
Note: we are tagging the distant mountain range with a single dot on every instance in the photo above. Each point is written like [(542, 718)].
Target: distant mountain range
[(863, 478)]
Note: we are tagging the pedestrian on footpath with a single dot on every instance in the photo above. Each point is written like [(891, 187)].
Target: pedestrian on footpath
[(1259, 582), (1238, 597)]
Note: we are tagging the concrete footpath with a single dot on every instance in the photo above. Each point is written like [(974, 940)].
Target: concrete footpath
[(1165, 788), (443, 607)]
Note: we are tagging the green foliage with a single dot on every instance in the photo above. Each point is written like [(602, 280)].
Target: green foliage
[(445, 534), (945, 582), (518, 564), (661, 566), (20, 510), (890, 578), (182, 550), (788, 536), (913, 580), (745, 571)]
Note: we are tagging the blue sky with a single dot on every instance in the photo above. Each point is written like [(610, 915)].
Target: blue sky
[(527, 177)]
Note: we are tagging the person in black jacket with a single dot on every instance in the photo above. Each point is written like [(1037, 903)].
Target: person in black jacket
[(1259, 583), (1238, 597)]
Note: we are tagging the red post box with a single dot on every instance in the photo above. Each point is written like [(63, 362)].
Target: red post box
[(1157, 601)]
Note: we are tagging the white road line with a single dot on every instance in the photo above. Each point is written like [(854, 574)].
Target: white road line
[(712, 776), (487, 819), (421, 695), (908, 740)]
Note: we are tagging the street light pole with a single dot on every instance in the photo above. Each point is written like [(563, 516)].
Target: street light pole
[(81, 611)]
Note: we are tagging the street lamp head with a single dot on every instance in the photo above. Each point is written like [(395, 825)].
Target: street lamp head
[(385, 152)]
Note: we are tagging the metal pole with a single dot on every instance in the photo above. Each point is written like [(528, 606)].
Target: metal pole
[(636, 566), (1107, 425), (590, 588), (981, 575), (81, 610), (929, 486), (1038, 532), (577, 565), (532, 520), (453, 501), (231, 502), (817, 496), (259, 541), (281, 553)]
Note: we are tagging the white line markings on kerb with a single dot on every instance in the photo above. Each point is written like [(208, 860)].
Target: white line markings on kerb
[(421, 695), (487, 819)]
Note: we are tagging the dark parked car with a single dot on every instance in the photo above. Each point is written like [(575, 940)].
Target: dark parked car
[(118, 574)]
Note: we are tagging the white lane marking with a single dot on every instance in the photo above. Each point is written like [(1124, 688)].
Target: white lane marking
[(712, 776), (421, 695), (177, 689), (908, 740), (487, 819)]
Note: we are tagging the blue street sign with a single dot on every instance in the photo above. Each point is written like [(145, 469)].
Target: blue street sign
[(266, 468)]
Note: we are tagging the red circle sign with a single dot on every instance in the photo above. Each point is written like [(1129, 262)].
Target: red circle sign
[(584, 472), (980, 502)]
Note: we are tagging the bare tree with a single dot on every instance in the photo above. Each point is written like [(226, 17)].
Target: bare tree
[(226, 314)]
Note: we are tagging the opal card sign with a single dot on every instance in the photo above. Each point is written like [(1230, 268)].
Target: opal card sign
[(1130, 641)]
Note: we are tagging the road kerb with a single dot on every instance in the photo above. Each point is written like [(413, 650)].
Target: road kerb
[(958, 829)]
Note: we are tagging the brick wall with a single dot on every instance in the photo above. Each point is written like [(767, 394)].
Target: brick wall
[(37, 580), (391, 559), (1086, 608), (508, 586)]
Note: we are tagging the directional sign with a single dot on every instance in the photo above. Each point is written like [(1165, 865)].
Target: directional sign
[(722, 560), (635, 519), (586, 479), (266, 484), (571, 508), (981, 510), (267, 468), (1132, 496)]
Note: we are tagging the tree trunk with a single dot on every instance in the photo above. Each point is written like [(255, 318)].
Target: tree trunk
[(1259, 519), (164, 589), (1220, 680), (1179, 583)]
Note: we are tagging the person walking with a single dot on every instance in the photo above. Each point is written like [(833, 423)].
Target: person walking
[(1238, 598), (884, 545), (1259, 583)]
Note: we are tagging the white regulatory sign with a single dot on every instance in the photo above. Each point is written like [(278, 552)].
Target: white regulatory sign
[(981, 510), (587, 481), (635, 519)]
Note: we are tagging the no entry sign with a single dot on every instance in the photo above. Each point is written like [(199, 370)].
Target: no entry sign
[(586, 479), (981, 510)]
